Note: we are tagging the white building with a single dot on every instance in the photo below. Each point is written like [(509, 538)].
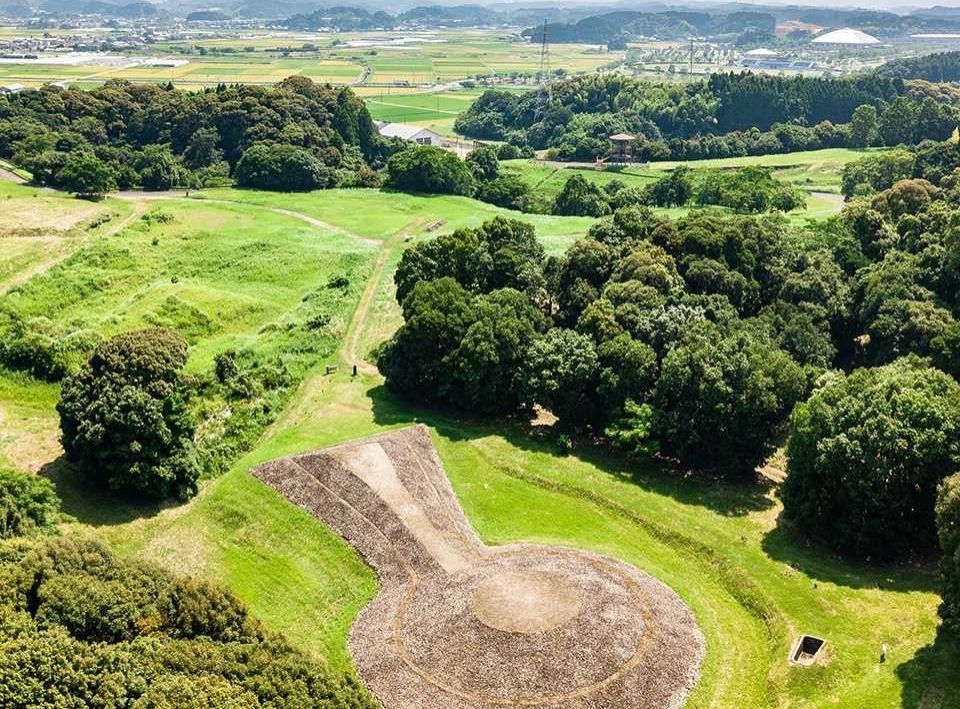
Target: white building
[(416, 134), (846, 36)]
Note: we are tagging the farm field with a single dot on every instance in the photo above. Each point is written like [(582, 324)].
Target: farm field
[(436, 111), (248, 258), (372, 59)]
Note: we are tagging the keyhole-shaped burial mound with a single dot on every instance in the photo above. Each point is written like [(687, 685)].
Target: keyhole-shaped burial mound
[(459, 624)]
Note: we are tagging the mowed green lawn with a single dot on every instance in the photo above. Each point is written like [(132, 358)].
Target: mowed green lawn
[(752, 585)]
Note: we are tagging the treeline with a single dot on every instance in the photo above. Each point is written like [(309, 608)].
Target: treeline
[(728, 115), (349, 19), (427, 169), (81, 627), (750, 190), (937, 67), (140, 135), (929, 161)]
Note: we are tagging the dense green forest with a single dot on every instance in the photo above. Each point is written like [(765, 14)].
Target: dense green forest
[(80, 627), (695, 340), (939, 67), (727, 115), (139, 135)]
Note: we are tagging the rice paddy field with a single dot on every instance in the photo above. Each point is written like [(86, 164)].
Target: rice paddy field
[(396, 60), (232, 267)]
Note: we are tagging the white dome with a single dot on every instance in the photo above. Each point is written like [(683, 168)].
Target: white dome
[(846, 36)]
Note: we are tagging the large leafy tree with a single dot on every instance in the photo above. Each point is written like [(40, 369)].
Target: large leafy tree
[(424, 168), (460, 349), (581, 198), (720, 399), (948, 531), (562, 370), (284, 168), (501, 253), (87, 176), (863, 126), (867, 452), (124, 418)]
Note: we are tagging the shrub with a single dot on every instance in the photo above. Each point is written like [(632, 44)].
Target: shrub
[(39, 347), (28, 503), (507, 192)]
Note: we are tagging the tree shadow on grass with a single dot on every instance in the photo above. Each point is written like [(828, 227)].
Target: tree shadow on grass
[(785, 544), (83, 501), (725, 498), (931, 678)]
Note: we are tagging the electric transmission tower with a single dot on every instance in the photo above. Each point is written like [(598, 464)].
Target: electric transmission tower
[(544, 54), (543, 76)]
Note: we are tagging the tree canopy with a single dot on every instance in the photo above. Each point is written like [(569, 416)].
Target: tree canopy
[(867, 452), (425, 168), (124, 417), (157, 138)]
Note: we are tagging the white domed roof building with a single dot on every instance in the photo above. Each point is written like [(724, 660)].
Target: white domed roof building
[(846, 37)]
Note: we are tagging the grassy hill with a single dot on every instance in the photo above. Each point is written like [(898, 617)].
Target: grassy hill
[(246, 260)]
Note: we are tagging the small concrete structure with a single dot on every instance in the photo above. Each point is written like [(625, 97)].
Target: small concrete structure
[(415, 134), (12, 89), (806, 650)]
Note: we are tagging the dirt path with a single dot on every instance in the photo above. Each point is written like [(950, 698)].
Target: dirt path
[(836, 199), (351, 346), (320, 224), (10, 176)]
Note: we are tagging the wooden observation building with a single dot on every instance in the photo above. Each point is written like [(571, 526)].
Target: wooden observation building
[(621, 149)]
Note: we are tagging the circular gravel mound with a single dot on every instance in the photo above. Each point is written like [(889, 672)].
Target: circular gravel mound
[(458, 624)]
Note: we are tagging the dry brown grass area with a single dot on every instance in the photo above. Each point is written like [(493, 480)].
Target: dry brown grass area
[(459, 624)]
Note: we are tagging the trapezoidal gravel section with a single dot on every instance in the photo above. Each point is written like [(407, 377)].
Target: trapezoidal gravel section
[(458, 624)]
